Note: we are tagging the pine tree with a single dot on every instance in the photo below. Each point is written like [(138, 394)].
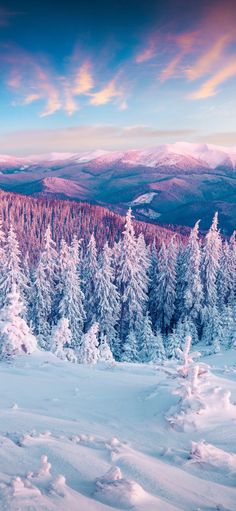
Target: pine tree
[(130, 348), (41, 305), (173, 342), (147, 341), (15, 335), (193, 294), (12, 273), (107, 299), (166, 286), (213, 331), (90, 268), (71, 296), (132, 281), (2, 249), (211, 263), (88, 351)]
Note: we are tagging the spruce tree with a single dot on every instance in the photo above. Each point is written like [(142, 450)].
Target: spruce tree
[(16, 337), (132, 281), (71, 304), (107, 299)]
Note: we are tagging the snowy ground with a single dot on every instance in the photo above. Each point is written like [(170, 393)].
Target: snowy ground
[(118, 437)]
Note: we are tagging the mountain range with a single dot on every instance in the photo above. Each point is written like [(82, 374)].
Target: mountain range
[(169, 184)]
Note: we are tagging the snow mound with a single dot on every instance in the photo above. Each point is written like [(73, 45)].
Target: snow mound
[(115, 490), (206, 454)]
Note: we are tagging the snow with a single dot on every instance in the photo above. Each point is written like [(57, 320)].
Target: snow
[(98, 438), (145, 198), (211, 155)]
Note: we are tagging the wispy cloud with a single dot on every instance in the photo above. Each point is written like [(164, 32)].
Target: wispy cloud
[(106, 94), (148, 52), (209, 59), (83, 80), (36, 81), (210, 87)]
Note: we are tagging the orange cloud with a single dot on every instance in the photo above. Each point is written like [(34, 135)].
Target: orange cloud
[(83, 81), (107, 94), (209, 88)]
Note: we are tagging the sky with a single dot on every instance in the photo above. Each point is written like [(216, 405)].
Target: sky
[(116, 74)]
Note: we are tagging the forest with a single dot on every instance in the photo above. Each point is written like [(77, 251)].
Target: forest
[(121, 296)]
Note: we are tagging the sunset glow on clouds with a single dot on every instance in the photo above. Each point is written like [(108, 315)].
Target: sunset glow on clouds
[(146, 65)]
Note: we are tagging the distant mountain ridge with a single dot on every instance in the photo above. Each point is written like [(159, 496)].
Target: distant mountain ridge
[(172, 183)]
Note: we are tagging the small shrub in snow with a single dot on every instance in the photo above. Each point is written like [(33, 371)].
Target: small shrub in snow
[(186, 356), (105, 353), (15, 335), (89, 352), (61, 336)]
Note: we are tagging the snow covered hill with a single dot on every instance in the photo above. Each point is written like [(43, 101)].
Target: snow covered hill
[(184, 181), (114, 437)]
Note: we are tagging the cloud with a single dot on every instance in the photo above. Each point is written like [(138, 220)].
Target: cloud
[(31, 98), (147, 53), (34, 79), (224, 138), (84, 80), (210, 87), (88, 137), (184, 43), (106, 95), (206, 61)]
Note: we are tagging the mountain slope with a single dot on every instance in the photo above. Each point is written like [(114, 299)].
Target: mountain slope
[(183, 181)]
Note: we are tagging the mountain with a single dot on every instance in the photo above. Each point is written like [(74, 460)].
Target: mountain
[(172, 183)]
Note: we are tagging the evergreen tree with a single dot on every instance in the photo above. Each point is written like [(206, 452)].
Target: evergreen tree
[(12, 272), (132, 281), (15, 335), (41, 305), (90, 269), (72, 298), (88, 351), (193, 294), (107, 299), (2, 249), (173, 342), (146, 341), (130, 348), (166, 286), (211, 263)]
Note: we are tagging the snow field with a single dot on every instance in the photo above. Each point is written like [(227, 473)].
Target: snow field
[(100, 437)]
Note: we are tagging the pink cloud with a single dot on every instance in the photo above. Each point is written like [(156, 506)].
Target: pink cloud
[(210, 87), (148, 52)]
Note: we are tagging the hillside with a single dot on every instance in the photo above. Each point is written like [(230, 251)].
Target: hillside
[(30, 217), (171, 184)]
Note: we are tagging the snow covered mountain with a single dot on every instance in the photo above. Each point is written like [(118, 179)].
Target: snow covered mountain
[(183, 181)]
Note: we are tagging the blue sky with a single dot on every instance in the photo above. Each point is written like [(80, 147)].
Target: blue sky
[(117, 74)]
